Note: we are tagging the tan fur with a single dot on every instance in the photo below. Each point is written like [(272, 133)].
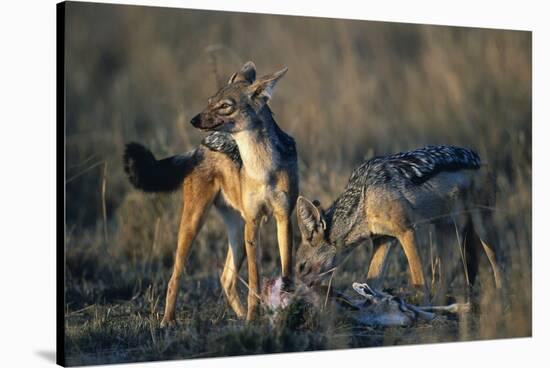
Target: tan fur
[(252, 199), (260, 158), (265, 184), (378, 264), (447, 201)]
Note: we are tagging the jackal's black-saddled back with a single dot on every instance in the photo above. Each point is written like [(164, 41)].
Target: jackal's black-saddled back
[(416, 166), (399, 171)]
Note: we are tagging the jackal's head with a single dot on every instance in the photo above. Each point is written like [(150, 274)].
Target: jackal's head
[(316, 256), (239, 105)]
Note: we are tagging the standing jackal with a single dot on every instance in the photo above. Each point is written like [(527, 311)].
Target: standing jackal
[(247, 168), (387, 198)]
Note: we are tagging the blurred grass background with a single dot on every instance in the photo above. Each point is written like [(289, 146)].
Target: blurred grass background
[(354, 89)]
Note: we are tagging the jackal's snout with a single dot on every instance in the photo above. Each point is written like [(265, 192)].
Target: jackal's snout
[(196, 121), (205, 121)]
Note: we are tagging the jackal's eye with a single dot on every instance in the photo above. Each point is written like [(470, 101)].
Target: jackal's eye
[(225, 104), (225, 107)]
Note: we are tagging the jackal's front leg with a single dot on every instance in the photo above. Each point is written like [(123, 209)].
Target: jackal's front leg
[(379, 261), (284, 238), (250, 235), (410, 247)]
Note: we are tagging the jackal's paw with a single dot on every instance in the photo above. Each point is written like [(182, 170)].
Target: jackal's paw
[(167, 323)]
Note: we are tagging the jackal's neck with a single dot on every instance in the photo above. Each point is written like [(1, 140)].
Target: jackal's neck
[(261, 147), (343, 216)]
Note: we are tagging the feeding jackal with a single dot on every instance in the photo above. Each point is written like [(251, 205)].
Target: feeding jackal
[(247, 168), (387, 198)]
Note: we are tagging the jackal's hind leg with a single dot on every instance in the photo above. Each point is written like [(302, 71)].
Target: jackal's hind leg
[(251, 240), (490, 253), (442, 262), (476, 245), (234, 259), (197, 198), (229, 280)]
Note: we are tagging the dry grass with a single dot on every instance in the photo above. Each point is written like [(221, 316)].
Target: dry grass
[(353, 90)]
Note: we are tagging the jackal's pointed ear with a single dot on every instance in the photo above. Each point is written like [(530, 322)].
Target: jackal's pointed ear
[(263, 87), (310, 219), (247, 74)]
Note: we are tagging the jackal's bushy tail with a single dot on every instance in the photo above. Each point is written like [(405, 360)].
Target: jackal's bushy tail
[(147, 173)]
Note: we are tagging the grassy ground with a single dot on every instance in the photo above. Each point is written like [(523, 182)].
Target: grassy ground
[(353, 90)]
